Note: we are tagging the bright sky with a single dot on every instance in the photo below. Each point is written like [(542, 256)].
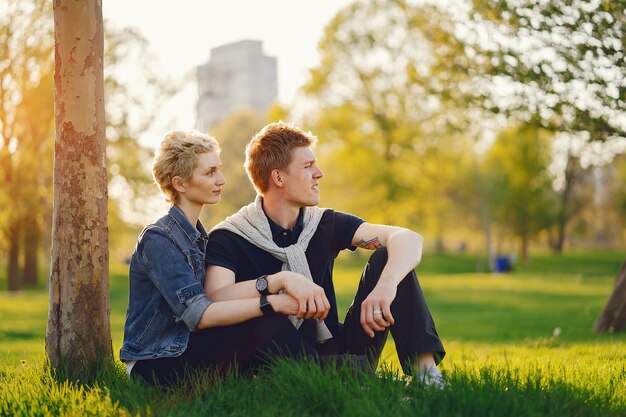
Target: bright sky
[(182, 32)]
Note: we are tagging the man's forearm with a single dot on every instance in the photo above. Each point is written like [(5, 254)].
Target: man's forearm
[(404, 253), (245, 289)]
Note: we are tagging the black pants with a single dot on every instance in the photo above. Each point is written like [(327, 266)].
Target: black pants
[(413, 331), (242, 347)]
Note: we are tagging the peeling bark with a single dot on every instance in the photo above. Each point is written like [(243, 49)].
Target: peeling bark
[(78, 337)]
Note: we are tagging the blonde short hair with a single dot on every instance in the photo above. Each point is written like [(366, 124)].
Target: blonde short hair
[(177, 157), (272, 148)]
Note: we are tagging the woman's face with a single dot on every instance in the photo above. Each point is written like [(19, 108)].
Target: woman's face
[(206, 182)]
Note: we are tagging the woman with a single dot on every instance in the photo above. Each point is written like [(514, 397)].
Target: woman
[(171, 325)]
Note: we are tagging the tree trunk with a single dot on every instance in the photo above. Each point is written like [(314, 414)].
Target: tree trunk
[(524, 248), (440, 246), (560, 239), (13, 267), (565, 210), (491, 251), (78, 338), (485, 216), (613, 316), (31, 242)]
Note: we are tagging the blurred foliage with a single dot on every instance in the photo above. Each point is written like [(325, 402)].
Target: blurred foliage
[(437, 117), (557, 64), (133, 89), (618, 189), (27, 129), (408, 92), (233, 134), (391, 144), (519, 184)]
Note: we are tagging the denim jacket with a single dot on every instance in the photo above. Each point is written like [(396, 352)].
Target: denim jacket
[(167, 297)]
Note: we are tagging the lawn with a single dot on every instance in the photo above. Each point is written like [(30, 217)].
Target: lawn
[(518, 344)]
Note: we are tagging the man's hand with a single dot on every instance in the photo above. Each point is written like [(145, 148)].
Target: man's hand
[(376, 309), (312, 301)]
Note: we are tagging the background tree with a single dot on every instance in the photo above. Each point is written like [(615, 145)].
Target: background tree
[(520, 186), (617, 187), (384, 113), (572, 187), (34, 127), (134, 89), (613, 316), (27, 139), (26, 67), (558, 66), (78, 336), (561, 66), (233, 134)]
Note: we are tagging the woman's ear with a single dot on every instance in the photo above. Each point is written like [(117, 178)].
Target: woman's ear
[(276, 178), (178, 184)]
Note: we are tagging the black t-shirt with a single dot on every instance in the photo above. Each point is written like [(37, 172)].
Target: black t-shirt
[(334, 234)]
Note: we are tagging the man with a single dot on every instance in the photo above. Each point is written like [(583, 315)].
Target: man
[(284, 242)]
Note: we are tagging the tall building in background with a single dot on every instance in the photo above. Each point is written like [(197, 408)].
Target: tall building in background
[(237, 76)]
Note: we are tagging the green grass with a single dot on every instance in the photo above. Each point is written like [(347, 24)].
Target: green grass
[(499, 330), (476, 389)]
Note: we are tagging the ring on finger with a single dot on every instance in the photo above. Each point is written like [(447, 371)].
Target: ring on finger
[(377, 312)]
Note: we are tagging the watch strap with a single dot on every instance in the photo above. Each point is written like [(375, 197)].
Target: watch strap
[(266, 306)]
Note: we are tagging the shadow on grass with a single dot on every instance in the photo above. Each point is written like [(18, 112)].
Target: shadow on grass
[(8, 334)]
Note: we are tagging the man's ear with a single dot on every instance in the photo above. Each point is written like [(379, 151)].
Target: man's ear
[(178, 184), (275, 177)]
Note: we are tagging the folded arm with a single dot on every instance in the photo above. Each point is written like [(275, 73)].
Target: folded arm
[(220, 285), (404, 253), (224, 313)]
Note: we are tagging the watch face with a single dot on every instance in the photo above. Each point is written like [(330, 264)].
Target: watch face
[(261, 284)]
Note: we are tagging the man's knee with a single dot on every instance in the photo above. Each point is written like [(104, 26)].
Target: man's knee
[(378, 258), (376, 264), (374, 267)]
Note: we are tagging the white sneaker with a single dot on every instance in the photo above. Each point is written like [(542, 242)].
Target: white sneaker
[(432, 377)]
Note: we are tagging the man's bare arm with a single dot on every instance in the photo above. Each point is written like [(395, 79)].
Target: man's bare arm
[(404, 247), (404, 252)]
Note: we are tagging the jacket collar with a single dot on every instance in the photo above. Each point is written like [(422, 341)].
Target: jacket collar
[(193, 233)]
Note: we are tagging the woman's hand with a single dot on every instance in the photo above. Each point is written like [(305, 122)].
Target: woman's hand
[(311, 299), (283, 304)]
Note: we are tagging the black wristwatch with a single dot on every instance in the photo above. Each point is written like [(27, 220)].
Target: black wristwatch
[(262, 286), (266, 306)]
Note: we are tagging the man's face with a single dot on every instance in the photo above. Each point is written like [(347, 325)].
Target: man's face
[(301, 178)]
